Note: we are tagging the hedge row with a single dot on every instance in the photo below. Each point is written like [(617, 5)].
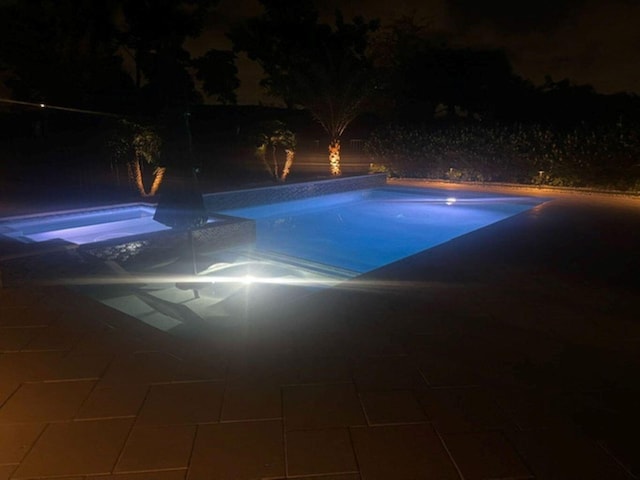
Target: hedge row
[(599, 157)]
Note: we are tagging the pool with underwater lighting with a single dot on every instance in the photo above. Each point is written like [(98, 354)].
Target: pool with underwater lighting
[(258, 245), (362, 230)]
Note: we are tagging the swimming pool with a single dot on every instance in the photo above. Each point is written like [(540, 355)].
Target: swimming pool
[(362, 230), (311, 243)]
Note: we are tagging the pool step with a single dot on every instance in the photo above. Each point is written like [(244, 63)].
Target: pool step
[(315, 268)]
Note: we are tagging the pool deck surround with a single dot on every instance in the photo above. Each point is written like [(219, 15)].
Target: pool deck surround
[(507, 353)]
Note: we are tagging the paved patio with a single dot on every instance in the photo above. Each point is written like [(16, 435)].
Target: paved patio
[(509, 353)]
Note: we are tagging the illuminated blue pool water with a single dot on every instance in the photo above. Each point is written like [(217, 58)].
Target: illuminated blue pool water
[(356, 231), (363, 230)]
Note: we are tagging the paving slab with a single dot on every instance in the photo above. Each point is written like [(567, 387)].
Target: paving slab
[(316, 452), (238, 451), (157, 448), (75, 448), (402, 452)]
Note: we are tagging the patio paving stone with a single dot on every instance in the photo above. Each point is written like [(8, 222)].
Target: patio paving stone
[(365, 344), (21, 297), (157, 448), (146, 368), (463, 409), (273, 369), (238, 451), (483, 455), (321, 406), (168, 475), (320, 452), (55, 336), (111, 402), (389, 407), (74, 366), (387, 373), (345, 476), (18, 367), (27, 316), (16, 440), (45, 402), (532, 409), (401, 452), (13, 339), (447, 371), (323, 343), (6, 471), (110, 341), (186, 403), (323, 369), (563, 453), (94, 447), (250, 401)]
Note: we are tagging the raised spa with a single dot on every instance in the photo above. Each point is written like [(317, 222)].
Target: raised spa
[(85, 226)]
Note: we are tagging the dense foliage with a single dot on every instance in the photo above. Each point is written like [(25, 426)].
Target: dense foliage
[(121, 56), (581, 156)]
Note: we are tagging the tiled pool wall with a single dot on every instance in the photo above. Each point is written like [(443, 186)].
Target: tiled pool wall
[(216, 202)]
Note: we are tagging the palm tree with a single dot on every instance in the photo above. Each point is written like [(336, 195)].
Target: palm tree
[(334, 92), (271, 137), (139, 146), (320, 67)]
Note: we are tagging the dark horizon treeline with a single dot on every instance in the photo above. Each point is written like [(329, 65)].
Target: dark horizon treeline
[(128, 57)]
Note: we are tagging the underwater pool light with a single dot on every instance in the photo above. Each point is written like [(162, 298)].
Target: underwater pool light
[(451, 200)]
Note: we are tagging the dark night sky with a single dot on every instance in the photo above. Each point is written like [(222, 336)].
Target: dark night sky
[(594, 42)]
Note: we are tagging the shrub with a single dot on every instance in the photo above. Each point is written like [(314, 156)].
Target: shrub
[(583, 156)]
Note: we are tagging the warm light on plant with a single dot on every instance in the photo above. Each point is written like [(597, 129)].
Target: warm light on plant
[(137, 146), (272, 137), (334, 157)]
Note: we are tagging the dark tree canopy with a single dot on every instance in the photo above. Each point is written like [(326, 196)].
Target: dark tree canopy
[(71, 52), (282, 40), (422, 72), (321, 67), (61, 51), (154, 33)]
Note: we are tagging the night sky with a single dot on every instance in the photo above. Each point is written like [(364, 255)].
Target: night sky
[(594, 42)]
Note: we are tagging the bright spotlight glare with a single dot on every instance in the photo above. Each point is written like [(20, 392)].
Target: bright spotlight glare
[(247, 279), (42, 105), (451, 201)]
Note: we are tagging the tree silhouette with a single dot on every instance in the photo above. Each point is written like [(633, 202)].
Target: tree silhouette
[(270, 138), (70, 52), (282, 40), (422, 72), (153, 35), (322, 68), (62, 52)]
